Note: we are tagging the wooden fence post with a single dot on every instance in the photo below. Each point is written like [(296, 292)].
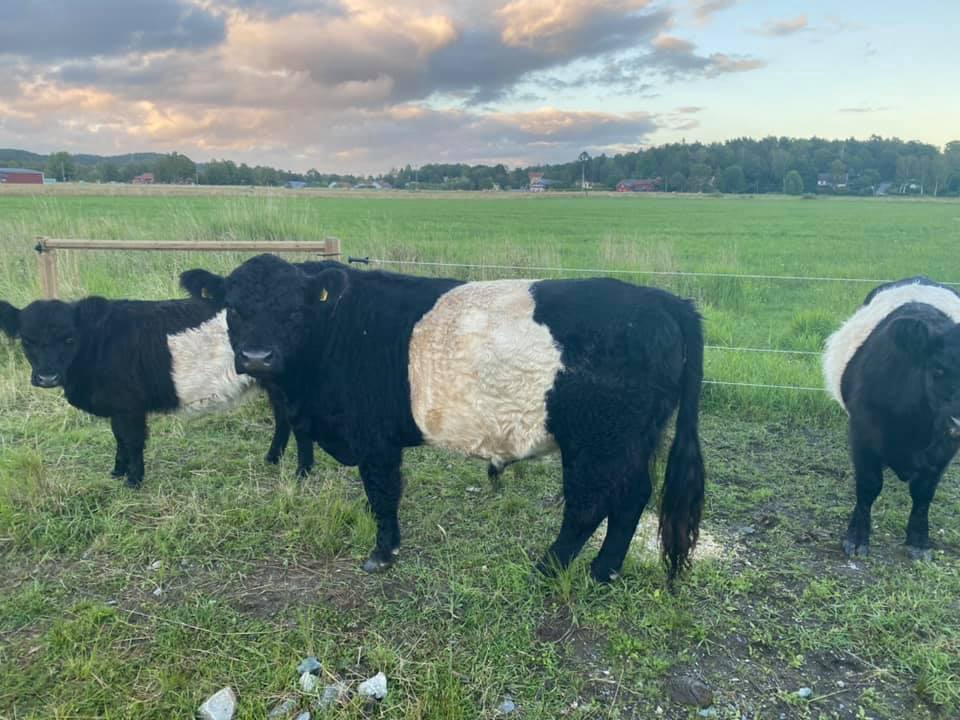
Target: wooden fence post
[(332, 247), (47, 260)]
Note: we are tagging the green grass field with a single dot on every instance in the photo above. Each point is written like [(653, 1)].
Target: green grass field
[(257, 570)]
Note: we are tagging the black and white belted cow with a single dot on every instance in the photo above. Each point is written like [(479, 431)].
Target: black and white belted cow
[(124, 359), (374, 362), (895, 368)]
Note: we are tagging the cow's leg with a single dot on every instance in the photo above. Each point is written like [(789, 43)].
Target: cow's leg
[(132, 432), (869, 477), (384, 486), (281, 423), (120, 459), (922, 488), (583, 510), (495, 476), (304, 437), (625, 511)]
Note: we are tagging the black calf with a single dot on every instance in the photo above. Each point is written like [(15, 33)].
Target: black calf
[(123, 359), (895, 367)]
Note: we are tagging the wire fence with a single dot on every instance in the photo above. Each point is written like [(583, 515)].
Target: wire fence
[(608, 271), (665, 273)]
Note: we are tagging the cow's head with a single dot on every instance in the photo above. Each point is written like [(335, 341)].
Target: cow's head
[(52, 333), (938, 356), (272, 306)]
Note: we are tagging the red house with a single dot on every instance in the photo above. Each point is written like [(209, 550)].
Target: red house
[(642, 185), (20, 176), (145, 179)]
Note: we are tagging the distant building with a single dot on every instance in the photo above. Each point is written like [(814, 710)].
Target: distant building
[(538, 183), (834, 182), (145, 179), (20, 176), (639, 185), (294, 184)]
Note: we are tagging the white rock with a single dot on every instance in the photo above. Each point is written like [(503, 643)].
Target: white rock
[(283, 710), (305, 715), (156, 565), (219, 706), (507, 706), (158, 592), (332, 694), (308, 682), (375, 687), (804, 693)]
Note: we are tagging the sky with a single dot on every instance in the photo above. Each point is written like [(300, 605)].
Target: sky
[(363, 86)]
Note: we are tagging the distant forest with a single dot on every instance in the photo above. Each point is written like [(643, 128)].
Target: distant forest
[(743, 165)]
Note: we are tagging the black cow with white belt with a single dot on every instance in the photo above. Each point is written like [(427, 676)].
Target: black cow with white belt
[(125, 359), (374, 362), (894, 366)]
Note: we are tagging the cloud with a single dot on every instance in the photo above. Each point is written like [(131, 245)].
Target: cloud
[(863, 109), (677, 58), (722, 64), (564, 26), (669, 57), (788, 26), (690, 109), (838, 24), (316, 82), (704, 10), (84, 28)]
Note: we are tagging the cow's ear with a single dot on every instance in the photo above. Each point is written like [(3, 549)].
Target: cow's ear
[(91, 311), (913, 336), (203, 284), (9, 319), (328, 286)]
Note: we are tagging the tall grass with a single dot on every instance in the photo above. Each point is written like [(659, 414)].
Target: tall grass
[(560, 234)]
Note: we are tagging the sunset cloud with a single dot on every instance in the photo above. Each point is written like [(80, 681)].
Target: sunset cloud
[(788, 26), (321, 82), (704, 10)]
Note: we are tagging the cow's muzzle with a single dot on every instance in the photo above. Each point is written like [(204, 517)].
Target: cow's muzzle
[(45, 381), (257, 361)]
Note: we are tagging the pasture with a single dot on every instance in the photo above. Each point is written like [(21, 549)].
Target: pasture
[(222, 570)]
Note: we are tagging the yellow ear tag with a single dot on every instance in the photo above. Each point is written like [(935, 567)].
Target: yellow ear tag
[(324, 295), (205, 293)]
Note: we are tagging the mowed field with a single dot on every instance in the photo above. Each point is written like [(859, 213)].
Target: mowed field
[(222, 570)]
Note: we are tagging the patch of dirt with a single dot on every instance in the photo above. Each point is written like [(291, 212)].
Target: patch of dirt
[(753, 681), (266, 589), (582, 646), (646, 541)]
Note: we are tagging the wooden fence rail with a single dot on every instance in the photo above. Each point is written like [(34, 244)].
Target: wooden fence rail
[(47, 251)]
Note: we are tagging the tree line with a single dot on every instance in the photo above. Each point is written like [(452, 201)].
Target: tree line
[(742, 165)]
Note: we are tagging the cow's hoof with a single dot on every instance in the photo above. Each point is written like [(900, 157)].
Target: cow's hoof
[(303, 471), (378, 563), (603, 575), (134, 483), (854, 550), (118, 472), (548, 567), (920, 554), (273, 458)]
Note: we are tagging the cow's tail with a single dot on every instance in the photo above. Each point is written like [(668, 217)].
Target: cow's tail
[(681, 500)]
